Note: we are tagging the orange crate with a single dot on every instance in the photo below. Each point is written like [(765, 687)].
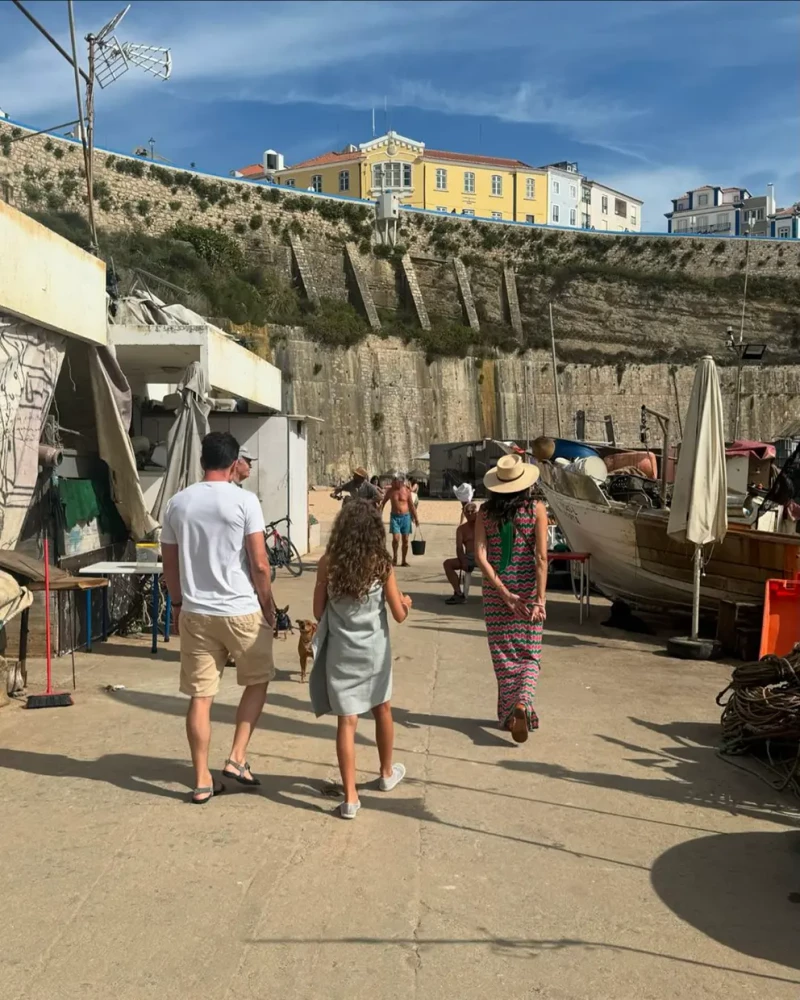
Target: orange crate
[(780, 628)]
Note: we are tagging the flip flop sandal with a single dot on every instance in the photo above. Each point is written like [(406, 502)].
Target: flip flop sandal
[(519, 725), (209, 791), (243, 769)]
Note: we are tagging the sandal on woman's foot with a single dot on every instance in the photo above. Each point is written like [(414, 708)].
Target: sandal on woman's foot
[(348, 810), (519, 725), (241, 770), (208, 792)]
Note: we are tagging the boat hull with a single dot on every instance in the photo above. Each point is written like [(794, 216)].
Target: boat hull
[(633, 557)]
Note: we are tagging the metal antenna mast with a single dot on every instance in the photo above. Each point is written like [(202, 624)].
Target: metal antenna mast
[(108, 60)]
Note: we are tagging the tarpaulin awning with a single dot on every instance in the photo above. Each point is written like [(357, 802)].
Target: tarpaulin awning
[(751, 449)]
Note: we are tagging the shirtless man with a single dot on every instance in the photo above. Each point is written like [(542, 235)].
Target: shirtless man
[(464, 560), (403, 514)]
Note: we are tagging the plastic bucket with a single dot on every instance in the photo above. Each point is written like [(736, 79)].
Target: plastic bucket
[(418, 546)]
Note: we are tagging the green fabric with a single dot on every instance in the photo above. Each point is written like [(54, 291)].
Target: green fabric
[(80, 501), (86, 499), (506, 544)]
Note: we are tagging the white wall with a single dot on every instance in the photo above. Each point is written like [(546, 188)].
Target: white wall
[(234, 369), (47, 280), (565, 199)]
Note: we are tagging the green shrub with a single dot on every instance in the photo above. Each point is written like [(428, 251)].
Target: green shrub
[(217, 249), (58, 152), (69, 186), (48, 144), (256, 221), (296, 227), (298, 203), (16, 132), (55, 201), (133, 168), (174, 205), (239, 227), (111, 160), (31, 192), (202, 205), (106, 204), (378, 421), (245, 195), (336, 324), (5, 144), (143, 206), (101, 189), (161, 174)]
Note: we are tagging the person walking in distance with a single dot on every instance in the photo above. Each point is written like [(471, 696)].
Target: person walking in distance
[(353, 658), (403, 514), (217, 573)]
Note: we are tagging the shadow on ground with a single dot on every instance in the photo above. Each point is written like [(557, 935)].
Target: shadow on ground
[(738, 889)]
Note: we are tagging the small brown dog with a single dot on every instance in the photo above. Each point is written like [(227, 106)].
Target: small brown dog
[(307, 631)]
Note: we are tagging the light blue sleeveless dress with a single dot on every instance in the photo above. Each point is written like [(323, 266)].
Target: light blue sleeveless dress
[(352, 670)]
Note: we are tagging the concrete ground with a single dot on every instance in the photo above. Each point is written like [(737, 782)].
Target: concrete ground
[(612, 857)]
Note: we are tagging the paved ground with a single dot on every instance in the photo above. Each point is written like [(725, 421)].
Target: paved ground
[(612, 857)]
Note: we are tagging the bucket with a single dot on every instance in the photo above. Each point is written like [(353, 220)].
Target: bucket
[(418, 546), (780, 628)]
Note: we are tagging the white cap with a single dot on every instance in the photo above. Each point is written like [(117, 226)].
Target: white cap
[(244, 453)]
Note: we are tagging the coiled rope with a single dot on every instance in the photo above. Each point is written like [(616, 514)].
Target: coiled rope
[(761, 716)]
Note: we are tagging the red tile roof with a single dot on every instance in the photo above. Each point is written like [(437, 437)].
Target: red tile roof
[(321, 161), (253, 170), (488, 161)]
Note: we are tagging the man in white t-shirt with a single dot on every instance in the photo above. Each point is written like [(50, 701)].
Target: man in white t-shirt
[(218, 576)]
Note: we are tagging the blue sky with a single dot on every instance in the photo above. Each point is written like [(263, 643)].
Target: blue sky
[(649, 97)]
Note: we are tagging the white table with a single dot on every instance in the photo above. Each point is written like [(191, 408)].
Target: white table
[(127, 569)]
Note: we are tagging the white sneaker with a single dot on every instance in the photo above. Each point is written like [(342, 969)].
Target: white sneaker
[(348, 810), (397, 775)]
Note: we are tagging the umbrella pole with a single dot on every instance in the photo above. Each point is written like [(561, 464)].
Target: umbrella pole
[(698, 562)]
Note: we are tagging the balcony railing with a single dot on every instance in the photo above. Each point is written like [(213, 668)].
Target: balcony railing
[(717, 227)]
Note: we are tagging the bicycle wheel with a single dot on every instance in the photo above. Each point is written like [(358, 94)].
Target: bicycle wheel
[(273, 557), (290, 557)]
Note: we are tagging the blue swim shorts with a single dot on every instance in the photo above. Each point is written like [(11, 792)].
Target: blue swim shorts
[(400, 524)]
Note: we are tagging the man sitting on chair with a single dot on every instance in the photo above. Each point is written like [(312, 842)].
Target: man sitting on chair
[(464, 561)]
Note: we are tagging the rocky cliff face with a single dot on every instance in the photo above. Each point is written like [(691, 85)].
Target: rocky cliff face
[(631, 313), (383, 404)]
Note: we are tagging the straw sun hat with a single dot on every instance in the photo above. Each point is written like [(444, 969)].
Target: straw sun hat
[(510, 475)]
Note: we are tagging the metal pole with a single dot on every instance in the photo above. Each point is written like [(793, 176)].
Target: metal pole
[(49, 38), (86, 161), (698, 562), (555, 371), (665, 459), (737, 409), (738, 396)]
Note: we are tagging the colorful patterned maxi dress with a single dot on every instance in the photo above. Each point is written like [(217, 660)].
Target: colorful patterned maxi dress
[(515, 645)]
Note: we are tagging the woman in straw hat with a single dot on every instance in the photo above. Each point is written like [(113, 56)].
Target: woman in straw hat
[(511, 550)]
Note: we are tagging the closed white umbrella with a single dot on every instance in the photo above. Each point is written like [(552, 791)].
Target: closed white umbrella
[(699, 500)]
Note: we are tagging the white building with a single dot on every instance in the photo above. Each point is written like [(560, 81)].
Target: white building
[(607, 210), (728, 211), (563, 194)]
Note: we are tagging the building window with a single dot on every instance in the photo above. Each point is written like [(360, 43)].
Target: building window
[(702, 199), (555, 212), (344, 180), (621, 208), (530, 187), (556, 187), (467, 211), (702, 223), (783, 232), (573, 217), (633, 216), (441, 180), (724, 221), (390, 176), (441, 208), (497, 215), (469, 182), (530, 218), (497, 184), (604, 204), (289, 182), (586, 195), (573, 191), (760, 214), (316, 183), (586, 220)]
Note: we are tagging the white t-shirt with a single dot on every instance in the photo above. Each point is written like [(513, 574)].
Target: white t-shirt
[(209, 522)]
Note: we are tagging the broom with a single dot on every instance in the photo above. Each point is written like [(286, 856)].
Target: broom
[(50, 699)]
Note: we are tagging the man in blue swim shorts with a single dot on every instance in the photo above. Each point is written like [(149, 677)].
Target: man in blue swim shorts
[(404, 514)]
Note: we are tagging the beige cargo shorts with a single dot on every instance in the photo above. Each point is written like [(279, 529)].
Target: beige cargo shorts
[(208, 640)]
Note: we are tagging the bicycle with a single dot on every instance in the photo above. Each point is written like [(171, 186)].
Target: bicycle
[(281, 551)]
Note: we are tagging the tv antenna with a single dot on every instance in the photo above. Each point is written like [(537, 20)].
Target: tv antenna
[(108, 60)]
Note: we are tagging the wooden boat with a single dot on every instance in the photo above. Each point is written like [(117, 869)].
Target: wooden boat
[(633, 557)]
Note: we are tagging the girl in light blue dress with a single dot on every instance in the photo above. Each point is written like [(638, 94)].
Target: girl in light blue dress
[(352, 671)]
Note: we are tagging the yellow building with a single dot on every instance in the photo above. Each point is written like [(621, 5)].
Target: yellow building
[(487, 186)]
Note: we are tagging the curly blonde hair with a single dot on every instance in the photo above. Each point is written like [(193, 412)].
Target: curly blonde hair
[(357, 556)]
